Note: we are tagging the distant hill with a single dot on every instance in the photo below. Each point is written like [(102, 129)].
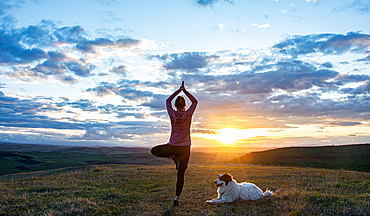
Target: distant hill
[(348, 157), (16, 158), (19, 158)]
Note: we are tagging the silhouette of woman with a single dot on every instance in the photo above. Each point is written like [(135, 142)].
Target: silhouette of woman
[(178, 148)]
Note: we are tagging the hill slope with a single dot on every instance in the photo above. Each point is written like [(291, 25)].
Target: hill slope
[(350, 157), (16, 158), (149, 190)]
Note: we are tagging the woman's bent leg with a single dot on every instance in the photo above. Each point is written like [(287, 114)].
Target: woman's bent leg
[(162, 150)]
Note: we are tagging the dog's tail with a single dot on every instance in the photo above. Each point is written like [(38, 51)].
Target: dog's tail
[(268, 193)]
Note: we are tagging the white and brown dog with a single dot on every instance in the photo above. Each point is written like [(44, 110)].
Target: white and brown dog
[(229, 190)]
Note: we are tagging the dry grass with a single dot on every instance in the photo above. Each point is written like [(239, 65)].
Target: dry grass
[(148, 190)]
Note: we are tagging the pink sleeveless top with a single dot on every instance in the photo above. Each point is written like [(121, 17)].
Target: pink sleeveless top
[(180, 122)]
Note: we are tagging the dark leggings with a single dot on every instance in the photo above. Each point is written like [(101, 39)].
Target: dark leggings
[(183, 152)]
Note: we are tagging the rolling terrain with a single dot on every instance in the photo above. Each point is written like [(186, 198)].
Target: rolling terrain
[(349, 157), (18, 158)]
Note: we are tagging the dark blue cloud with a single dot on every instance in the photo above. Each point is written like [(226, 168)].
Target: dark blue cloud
[(187, 61), (106, 2), (79, 69), (14, 43), (103, 89), (6, 99), (362, 90), (122, 69), (350, 78), (206, 3), (125, 89), (6, 5), (91, 45), (358, 6), (128, 91), (21, 113), (84, 105), (69, 35), (264, 78), (21, 47), (366, 59), (341, 123), (324, 43), (327, 65)]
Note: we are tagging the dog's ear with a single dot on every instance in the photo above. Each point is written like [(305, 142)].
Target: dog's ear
[(226, 177), (221, 174), (229, 178)]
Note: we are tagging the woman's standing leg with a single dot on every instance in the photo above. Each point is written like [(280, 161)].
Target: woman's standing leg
[(182, 166)]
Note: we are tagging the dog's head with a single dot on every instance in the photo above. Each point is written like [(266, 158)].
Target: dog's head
[(223, 178)]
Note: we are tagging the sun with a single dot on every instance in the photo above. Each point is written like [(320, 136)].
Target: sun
[(228, 135)]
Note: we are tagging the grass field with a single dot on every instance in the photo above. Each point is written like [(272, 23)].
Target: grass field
[(349, 157), (148, 190)]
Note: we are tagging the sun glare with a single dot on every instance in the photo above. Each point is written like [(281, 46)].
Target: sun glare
[(228, 136)]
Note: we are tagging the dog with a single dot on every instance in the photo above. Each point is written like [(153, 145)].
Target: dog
[(229, 190)]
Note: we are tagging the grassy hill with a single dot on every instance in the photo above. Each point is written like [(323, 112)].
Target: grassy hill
[(349, 157), (16, 158), (149, 190)]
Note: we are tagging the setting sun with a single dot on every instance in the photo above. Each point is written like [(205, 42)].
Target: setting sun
[(230, 136)]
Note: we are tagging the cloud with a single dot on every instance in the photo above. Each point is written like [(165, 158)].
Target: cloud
[(366, 59), (109, 17), (86, 45), (333, 44), (122, 69), (106, 2), (30, 115), (358, 6), (125, 89), (363, 90), (267, 25), (327, 65), (340, 123), (222, 26), (44, 51), (206, 3), (187, 61), (6, 5)]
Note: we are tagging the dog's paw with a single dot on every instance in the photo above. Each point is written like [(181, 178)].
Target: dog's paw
[(209, 202)]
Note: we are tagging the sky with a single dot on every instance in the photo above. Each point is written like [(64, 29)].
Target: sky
[(269, 73)]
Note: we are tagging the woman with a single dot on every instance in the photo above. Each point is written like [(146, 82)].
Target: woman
[(178, 148)]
